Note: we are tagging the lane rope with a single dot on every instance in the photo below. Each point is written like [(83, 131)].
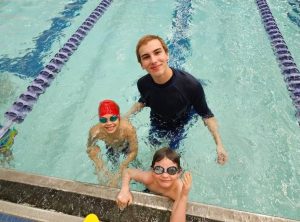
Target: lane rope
[(24, 104), (284, 58)]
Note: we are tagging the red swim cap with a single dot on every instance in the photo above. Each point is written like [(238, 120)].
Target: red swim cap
[(108, 107)]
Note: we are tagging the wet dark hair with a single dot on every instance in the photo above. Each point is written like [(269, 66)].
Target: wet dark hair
[(168, 153)]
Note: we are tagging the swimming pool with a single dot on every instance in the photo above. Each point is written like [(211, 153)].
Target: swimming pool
[(227, 49)]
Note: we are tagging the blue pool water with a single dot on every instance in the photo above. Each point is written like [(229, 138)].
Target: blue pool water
[(222, 43), (10, 218)]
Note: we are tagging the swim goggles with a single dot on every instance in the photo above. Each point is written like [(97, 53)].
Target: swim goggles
[(170, 170), (111, 119)]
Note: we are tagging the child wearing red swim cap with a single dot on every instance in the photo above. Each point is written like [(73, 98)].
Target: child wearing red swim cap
[(119, 137)]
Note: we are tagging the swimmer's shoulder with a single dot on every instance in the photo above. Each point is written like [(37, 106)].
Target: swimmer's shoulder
[(148, 178), (141, 176), (96, 131), (126, 125)]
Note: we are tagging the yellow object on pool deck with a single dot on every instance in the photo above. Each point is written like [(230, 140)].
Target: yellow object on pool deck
[(91, 218)]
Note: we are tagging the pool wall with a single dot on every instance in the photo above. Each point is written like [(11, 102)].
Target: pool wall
[(78, 199)]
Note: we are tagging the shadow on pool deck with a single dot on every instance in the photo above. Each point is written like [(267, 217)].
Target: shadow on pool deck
[(42, 198)]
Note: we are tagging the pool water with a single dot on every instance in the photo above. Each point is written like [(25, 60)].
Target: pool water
[(226, 48), (10, 218)]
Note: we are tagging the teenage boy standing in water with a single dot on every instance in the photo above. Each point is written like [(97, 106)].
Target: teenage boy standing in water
[(173, 96)]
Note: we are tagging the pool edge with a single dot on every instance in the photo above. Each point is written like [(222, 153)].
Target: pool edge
[(91, 198), (35, 214)]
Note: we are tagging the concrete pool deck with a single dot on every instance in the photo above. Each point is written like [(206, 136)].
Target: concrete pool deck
[(43, 198)]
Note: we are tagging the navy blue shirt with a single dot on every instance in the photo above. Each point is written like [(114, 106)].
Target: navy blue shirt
[(174, 99)]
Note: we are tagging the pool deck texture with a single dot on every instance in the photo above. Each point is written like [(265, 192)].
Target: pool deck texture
[(41, 198)]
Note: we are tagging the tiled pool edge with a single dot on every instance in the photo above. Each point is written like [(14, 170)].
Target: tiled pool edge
[(79, 199), (34, 214)]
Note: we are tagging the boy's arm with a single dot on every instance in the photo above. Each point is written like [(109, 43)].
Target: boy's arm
[(93, 150), (212, 125), (137, 107), (91, 140), (124, 197), (179, 208), (133, 147)]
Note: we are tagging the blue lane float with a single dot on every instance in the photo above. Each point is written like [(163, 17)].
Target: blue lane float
[(25, 102), (285, 60)]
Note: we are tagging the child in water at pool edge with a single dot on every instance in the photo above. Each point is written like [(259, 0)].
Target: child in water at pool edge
[(163, 179), (118, 135)]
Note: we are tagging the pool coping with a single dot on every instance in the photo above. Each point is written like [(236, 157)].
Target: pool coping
[(35, 214), (90, 198)]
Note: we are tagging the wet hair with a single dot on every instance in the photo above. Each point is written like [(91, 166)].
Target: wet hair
[(168, 153), (144, 40)]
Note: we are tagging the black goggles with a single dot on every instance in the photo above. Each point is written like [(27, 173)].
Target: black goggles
[(170, 170)]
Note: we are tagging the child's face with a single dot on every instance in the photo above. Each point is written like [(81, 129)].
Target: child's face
[(165, 179), (110, 123)]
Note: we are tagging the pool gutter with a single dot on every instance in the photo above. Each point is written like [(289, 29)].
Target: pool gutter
[(78, 199)]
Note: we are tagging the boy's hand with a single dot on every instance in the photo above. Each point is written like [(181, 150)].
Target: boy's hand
[(187, 183), (93, 151), (222, 155), (124, 198)]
